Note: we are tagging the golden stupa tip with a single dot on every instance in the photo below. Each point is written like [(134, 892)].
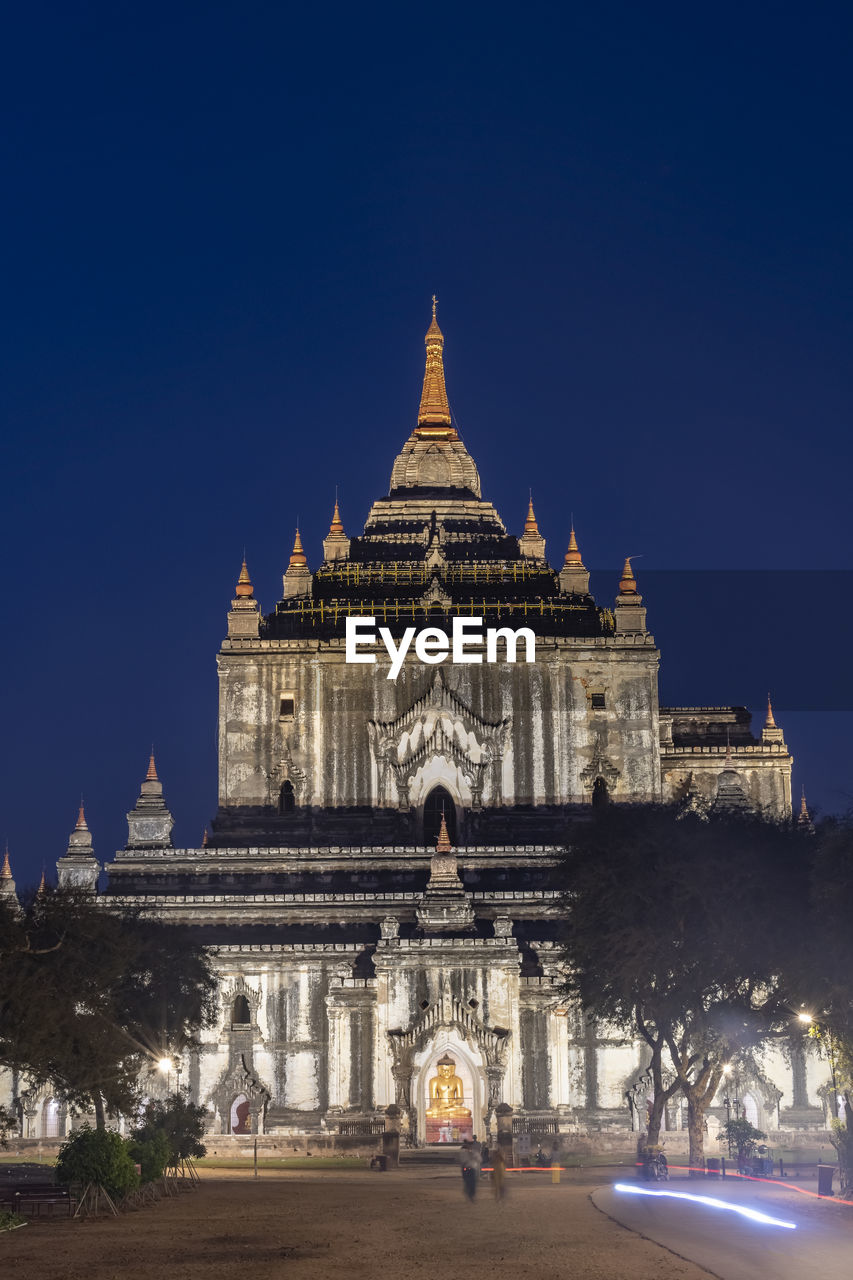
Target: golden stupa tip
[(443, 844), (244, 582), (81, 819), (204, 839), (434, 418), (151, 775), (627, 583), (769, 723), (337, 525), (804, 809), (297, 555), (6, 870), (42, 885), (530, 525), (573, 555)]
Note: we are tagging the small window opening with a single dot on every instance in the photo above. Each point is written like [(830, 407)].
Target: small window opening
[(597, 702), (600, 794), (240, 1011), (287, 708)]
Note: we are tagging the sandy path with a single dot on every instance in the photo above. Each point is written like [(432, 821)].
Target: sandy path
[(349, 1226)]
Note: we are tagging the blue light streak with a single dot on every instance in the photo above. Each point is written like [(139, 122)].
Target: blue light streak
[(752, 1214)]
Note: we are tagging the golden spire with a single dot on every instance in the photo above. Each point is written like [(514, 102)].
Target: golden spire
[(769, 723), (6, 870), (530, 525), (336, 528), (244, 582), (297, 556), (804, 811), (434, 414), (443, 844), (81, 820), (204, 839), (627, 583), (151, 775), (40, 891), (573, 555)]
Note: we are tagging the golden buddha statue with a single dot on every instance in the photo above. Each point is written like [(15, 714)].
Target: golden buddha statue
[(446, 1092)]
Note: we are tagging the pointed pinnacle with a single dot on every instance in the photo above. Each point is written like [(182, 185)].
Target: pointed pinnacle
[(573, 555), (443, 844), (151, 775), (297, 556), (769, 723), (6, 870), (628, 583), (81, 819), (244, 582)]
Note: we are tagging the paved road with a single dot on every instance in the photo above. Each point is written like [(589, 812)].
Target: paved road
[(733, 1247)]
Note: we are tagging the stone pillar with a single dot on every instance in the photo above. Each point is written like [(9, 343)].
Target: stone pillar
[(391, 1136), (503, 1111)]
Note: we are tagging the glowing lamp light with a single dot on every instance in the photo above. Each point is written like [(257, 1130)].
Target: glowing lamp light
[(805, 1017), (753, 1214), (164, 1065), (727, 1068)]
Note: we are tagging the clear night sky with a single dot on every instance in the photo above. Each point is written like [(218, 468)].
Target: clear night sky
[(222, 225)]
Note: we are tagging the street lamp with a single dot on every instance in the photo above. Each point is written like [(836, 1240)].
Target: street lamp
[(165, 1065)]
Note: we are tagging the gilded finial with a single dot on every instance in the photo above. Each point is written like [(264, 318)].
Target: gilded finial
[(204, 839), (443, 844), (40, 892), (769, 723), (151, 775), (530, 525), (297, 555), (81, 819), (6, 870), (628, 583), (434, 418), (244, 582), (573, 555), (337, 525)]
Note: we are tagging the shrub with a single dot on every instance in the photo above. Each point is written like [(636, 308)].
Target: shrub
[(99, 1156), (151, 1151), (181, 1121)]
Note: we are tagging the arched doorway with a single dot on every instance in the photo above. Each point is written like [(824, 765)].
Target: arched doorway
[(241, 1014), (240, 1114), (287, 797), (437, 802), (600, 794)]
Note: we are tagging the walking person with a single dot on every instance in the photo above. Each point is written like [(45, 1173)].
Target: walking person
[(469, 1159)]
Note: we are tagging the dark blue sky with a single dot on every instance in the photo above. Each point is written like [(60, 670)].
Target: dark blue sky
[(222, 226)]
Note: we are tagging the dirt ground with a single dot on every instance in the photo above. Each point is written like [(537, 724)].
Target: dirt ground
[(354, 1225)]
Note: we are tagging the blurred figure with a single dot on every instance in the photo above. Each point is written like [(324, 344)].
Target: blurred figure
[(469, 1159), (498, 1174)]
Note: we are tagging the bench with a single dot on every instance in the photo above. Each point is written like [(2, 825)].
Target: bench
[(36, 1199)]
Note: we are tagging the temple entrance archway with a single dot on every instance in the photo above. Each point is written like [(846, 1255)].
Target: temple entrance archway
[(469, 1070), (437, 802), (239, 1121)]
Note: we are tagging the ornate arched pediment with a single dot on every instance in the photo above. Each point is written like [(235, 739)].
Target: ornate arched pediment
[(493, 1042), (438, 724)]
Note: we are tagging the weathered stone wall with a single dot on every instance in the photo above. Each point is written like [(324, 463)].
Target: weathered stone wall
[(552, 745)]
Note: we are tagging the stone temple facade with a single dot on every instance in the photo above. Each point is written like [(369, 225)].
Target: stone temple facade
[(378, 883)]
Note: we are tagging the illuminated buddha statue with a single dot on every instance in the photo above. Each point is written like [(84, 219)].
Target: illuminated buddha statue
[(446, 1092)]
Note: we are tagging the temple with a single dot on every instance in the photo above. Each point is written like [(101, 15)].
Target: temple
[(378, 882)]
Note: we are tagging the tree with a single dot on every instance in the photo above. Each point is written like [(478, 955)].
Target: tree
[(675, 931), (93, 989)]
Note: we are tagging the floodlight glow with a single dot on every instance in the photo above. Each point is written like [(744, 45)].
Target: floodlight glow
[(805, 1017), (164, 1065), (752, 1214)]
